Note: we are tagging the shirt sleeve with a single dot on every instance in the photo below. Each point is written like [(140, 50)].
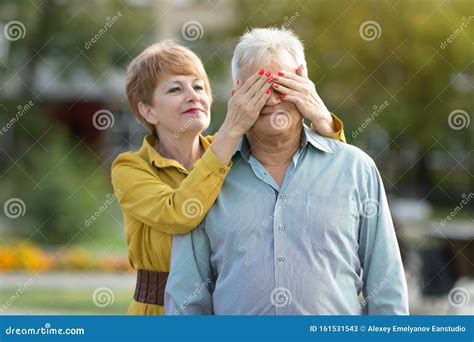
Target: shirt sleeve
[(188, 290), (384, 284), (142, 194), (339, 135)]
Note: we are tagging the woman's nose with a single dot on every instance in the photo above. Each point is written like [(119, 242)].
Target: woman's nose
[(192, 95)]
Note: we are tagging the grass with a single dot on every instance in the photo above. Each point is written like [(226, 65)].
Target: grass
[(58, 301)]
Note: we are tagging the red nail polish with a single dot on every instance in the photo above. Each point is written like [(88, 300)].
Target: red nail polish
[(268, 73), (275, 78), (267, 91), (276, 85), (261, 71), (282, 96), (269, 80), (280, 73)]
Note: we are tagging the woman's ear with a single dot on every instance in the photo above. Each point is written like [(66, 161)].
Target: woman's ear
[(147, 113)]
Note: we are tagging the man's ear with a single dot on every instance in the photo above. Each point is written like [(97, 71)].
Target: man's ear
[(147, 113), (301, 71)]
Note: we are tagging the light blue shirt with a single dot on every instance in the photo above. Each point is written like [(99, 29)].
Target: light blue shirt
[(309, 247)]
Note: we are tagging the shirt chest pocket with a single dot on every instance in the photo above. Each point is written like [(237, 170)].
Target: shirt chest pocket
[(332, 223)]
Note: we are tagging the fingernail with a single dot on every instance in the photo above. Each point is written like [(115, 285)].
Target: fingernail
[(275, 78), (261, 71), (270, 80), (267, 91), (276, 85), (238, 82), (280, 73), (282, 96), (268, 73)]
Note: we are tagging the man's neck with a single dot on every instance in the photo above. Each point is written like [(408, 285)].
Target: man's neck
[(274, 151)]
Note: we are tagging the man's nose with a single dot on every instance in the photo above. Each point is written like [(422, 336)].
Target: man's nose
[(274, 98)]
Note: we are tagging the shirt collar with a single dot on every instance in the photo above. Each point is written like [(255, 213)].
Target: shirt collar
[(152, 156), (307, 136)]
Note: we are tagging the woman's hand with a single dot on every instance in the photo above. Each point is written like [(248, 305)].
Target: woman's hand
[(301, 91), (243, 109), (246, 103)]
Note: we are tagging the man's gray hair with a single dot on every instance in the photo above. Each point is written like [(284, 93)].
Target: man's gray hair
[(261, 45)]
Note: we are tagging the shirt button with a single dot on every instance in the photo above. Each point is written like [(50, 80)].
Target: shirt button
[(280, 196), (281, 259), (222, 170), (282, 228)]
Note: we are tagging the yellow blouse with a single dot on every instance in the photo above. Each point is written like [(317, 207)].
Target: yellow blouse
[(159, 198)]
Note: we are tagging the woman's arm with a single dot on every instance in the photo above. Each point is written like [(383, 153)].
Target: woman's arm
[(178, 210), (150, 200), (336, 134)]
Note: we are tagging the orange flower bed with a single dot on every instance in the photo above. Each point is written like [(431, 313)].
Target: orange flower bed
[(26, 256)]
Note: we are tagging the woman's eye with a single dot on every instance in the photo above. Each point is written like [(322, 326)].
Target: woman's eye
[(198, 87), (173, 90)]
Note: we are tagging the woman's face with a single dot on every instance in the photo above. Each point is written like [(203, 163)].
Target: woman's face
[(180, 105)]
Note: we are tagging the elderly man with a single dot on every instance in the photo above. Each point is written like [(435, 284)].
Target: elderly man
[(302, 225)]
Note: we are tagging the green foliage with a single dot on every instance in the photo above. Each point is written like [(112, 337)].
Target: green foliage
[(61, 181)]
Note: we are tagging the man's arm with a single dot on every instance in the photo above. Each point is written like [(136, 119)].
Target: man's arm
[(189, 283), (384, 283)]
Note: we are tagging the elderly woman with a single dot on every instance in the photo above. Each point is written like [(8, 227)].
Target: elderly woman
[(169, 184)]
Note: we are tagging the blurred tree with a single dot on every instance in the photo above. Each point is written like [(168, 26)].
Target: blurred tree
[(58, 178), (91, 35)]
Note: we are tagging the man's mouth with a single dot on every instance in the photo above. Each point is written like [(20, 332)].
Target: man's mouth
[(270, 112)]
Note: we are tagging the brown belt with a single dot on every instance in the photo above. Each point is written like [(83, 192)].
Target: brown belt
[(150, 288)]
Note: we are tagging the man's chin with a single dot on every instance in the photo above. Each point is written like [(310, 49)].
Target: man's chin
[(265, 126)]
